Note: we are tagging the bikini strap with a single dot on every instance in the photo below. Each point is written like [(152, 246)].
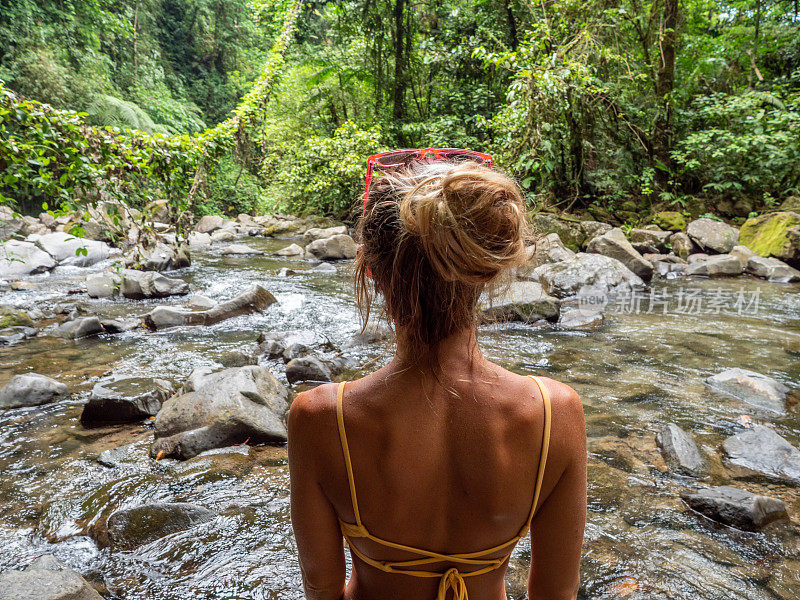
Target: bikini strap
[(346, 451), (542, 456)]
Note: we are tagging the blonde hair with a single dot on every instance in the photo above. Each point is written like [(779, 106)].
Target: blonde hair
[(434, 235)]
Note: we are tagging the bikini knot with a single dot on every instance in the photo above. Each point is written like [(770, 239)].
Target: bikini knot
[(452, 580)]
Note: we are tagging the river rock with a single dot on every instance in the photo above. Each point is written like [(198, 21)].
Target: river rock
[(682, 245), (128, 528), (579, 318), (774, 234), (222, 409), (762, 451), (735, 507), (548, 249), (570, 232), (771, 269), (119, 325), (165, 257), (336, 247), (199, 239), (290, 250), (743, 253), (19, 258), (614, 244), (102, 285), (599, 273), (11, 336), (680, 451), (523, 301), (79, 328), (125, 400), (591, 229), (713, 235), (31, 389), (47, 578), (317, 233), (718, 265), (14, 317), (150, 284), (751, 387), (240, 250), (656, 238), (209, 223), (200, 302), (223, 235), (63, 248), (255, 299), (324, 268), (670, 220), (307, 368)]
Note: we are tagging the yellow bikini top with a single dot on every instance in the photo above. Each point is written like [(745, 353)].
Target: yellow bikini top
[(451, 578)]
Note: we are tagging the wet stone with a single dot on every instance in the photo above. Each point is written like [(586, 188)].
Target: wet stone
[(736, 507), (761, 451), (307, 368), (523, 301), (754, 388), (125, 400), (31, 389), (681, 452), (290, 250), (131, 527), (79, 328), (47, 578)]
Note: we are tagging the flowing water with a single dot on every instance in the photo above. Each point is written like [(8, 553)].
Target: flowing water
[(635, 371)]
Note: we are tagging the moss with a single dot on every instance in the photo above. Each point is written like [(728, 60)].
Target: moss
[(570, 232), (11, 317), (670, 220), (767, 235)]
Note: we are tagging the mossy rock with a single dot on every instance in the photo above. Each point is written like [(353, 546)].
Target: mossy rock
[(792, 203), (628, 205), (670, 220), (571, 234), (627, 216), (773, 234), (13, 317)]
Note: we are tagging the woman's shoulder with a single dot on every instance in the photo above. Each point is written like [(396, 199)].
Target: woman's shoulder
[(312, 405)]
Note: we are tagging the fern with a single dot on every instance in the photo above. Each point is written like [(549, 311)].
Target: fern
[(110, 111)]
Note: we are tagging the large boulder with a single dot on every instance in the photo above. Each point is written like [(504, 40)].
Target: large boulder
[(128, 528), (221, 409), (754, 388), (548, 249), (614, 244), (256, 299), (209, 223), (570, 232), (587, 272), (681, 452), (67, 249), (774, 234), (771, 269), (717, 265), (735, 507), (19, 258), (657, 238), (670, 220), (31, 389), (523, 301), (318, 233), (47, 578), (125, 400), (307, 368), (712, 235), (761, 451), (78, 328), (335, 247)]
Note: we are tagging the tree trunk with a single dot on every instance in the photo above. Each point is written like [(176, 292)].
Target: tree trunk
[(665, 82), (398, 91), (512, 25)]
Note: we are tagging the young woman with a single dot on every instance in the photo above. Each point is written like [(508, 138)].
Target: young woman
[(434, 466)]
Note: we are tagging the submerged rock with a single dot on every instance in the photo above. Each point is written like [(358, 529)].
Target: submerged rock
[(307, 368), (126, 399), (221, 409), (19, 258), (128, 528), (31, 389), (47, 578), (597, 272), (255, 299), (336, 247), (751, 387), (735, 507), (681, 452), (579, 318), (523, 301), (761, 451), (614, 244), (713, 235)]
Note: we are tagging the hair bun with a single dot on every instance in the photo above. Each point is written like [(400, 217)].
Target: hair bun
[(469, 219)]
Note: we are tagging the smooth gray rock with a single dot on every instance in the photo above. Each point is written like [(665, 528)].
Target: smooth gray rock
[(131, 527), (743, 253), (681, 452), (586, 271), (713, 235), (47, 578), (127, 455), (255, 299), (654, 237), (548, 249), (209, 223), (223, 235), (79, 328), (336, 247), (579, 318), (240, 250), (31, 389), (290, 250), (200, 302), (307, 368), (64, 249), (754, 388), (138, 285), (9, 336), (592, 229), (125, 400), (324, 268), (761, 451), (222, 409), (718, 265), (614, 244), (771, 269), (735, 507), (316, 233), (199, 239), (523, 301), (18, 258), (119, 325), (165, 257)]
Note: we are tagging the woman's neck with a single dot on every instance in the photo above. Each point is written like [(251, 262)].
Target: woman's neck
[(452, 353)]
